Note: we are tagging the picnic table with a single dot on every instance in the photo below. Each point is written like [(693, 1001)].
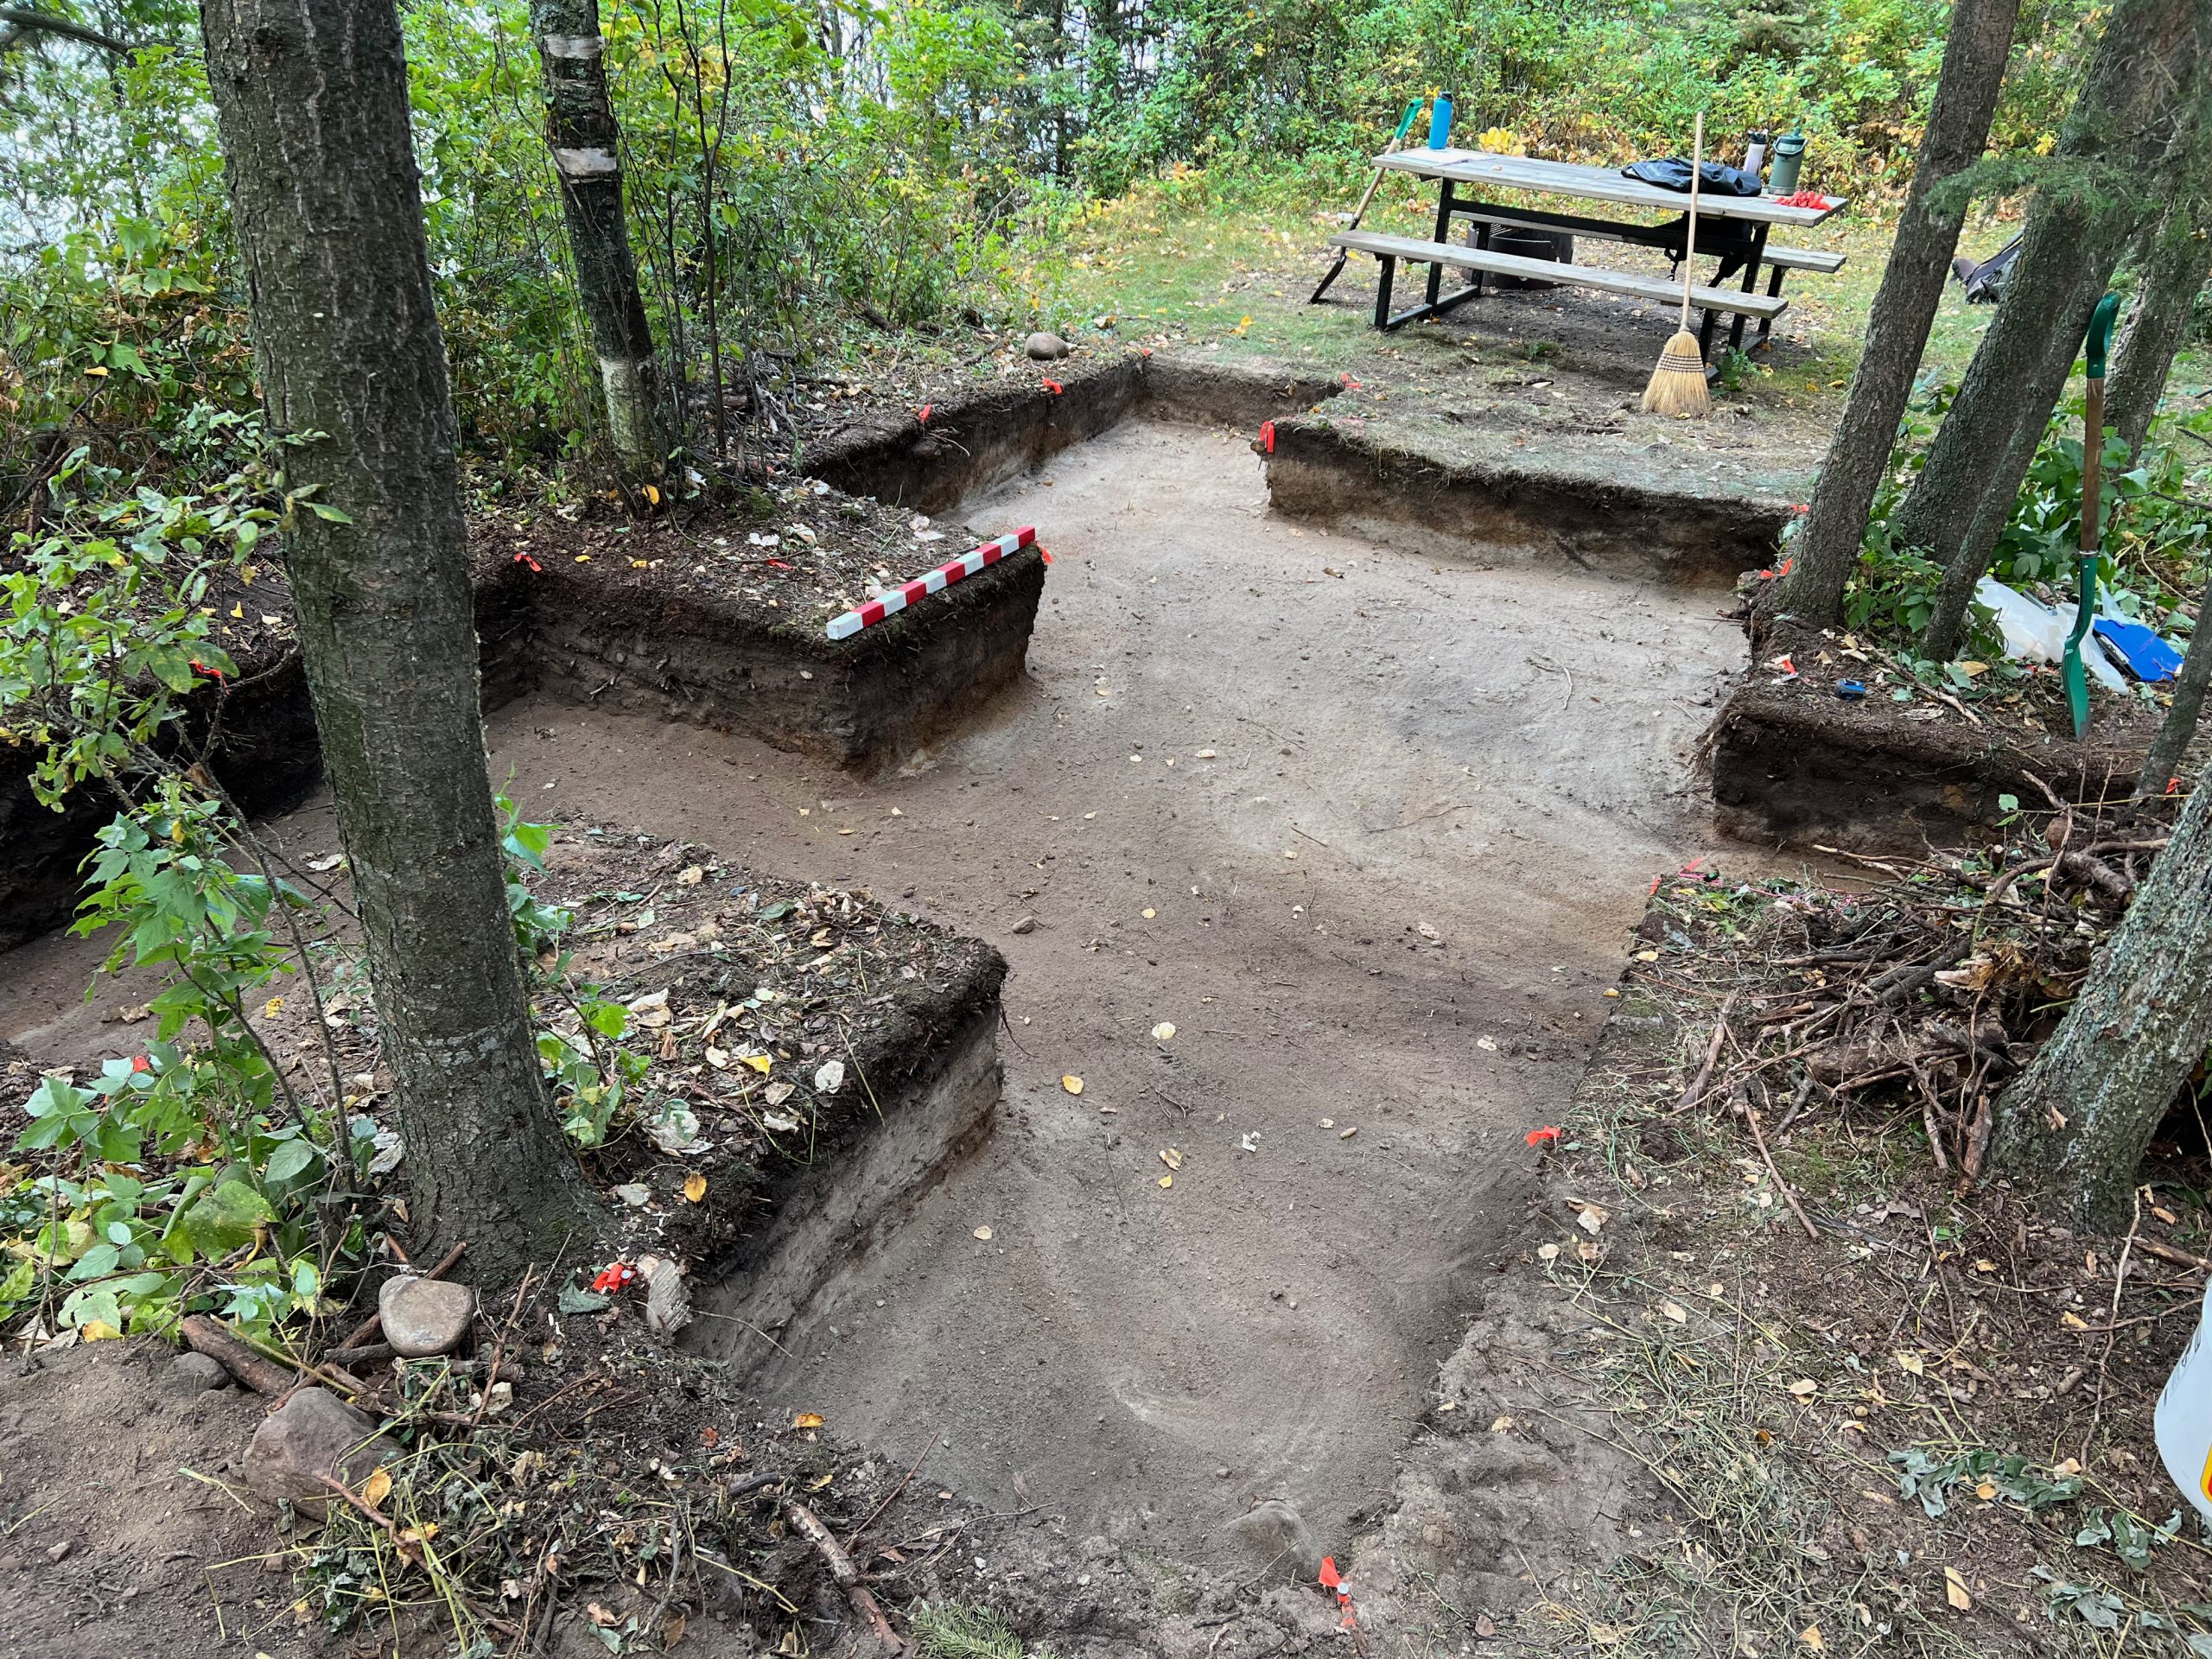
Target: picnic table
[(1733, 228)]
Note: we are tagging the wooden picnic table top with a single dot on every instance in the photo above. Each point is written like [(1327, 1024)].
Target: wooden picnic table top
[(1592, 183)]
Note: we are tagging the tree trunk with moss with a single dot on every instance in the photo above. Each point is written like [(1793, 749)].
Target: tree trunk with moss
[(2075, 1123), (2133, 105), (311, 98), (587, 146), (1826, 550)]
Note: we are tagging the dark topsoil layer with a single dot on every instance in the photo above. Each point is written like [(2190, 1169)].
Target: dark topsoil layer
[(1794, 762), (743, 988)]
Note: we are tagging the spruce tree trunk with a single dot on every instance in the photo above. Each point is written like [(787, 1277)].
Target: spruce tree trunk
[(2075, 1123), (1827, 550), (2133, 104), (587, 145), (2163, 759), (2179, 261), (311, 96)]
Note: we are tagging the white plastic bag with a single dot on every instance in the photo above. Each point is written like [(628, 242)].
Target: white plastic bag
[(2183, 1422), (2033, 632)]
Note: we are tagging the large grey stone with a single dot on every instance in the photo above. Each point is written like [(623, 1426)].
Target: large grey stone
[(1044, 347), (312, 1434), (425, 1316), (1278, 1537)]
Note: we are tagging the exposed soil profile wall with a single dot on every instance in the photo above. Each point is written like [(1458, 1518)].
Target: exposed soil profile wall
[(828, 1216), (1501, 513), (866, 703), (1794, 769), (975, 441)]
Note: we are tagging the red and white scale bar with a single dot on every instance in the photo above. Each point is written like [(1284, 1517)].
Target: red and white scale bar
[(898, 598)]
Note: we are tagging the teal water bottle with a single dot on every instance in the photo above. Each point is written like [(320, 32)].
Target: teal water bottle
[(1439, 122)]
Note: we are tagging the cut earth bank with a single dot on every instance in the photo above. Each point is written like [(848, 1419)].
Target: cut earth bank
[(1419, 802)]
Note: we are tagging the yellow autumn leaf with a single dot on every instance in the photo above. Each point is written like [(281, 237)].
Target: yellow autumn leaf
[(1810, 1636), (1167, 1180), (269, 1008), (98, 1330), (1909, 1363), (1173, 1158), (421, 1534), (1954, 1590), (239, 612), (1073, 1085), (807, 1420), (694, 1186), (760, 1063), (377, 1488), (652, 495)]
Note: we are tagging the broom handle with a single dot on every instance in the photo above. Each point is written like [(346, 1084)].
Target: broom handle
[(1689, 236)]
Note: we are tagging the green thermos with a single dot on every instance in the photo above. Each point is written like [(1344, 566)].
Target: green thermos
[(1789, 157)]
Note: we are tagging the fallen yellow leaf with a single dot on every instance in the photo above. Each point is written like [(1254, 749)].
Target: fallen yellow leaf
[(1167, 1180), (807, 1420), (1810, 1636), (1073, 1085), (1909, 1363), (377, 1488), (1954, 1590), (1171, 1158), (98, 1330), (694, 1186)]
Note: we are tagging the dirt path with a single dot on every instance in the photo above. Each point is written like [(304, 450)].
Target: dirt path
[(1387, 759)]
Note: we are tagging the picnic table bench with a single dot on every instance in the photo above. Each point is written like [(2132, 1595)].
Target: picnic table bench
[(1733, 229)]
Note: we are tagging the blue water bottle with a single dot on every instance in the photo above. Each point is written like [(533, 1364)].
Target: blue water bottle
[(1439, 122)]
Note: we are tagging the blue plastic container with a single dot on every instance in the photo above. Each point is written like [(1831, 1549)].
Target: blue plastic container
[(1439, 122)]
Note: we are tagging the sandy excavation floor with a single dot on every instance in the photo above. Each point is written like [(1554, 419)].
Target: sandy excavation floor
[(1254, 767)]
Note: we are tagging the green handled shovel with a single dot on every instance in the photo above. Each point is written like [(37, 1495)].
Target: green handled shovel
[(1359, 212), (2093, 444)]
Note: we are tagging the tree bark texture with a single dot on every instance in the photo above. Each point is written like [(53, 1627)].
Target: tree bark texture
[(2163, 758), (1827, 550), (311, 96), (2131, 106), (2178, 262), (2075, 1123), (587, 146)]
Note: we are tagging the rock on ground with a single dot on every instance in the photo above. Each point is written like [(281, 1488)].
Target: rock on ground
[(192, 1374), (313, 1434), (1277, 1537), (1044, 347), (423, 1316)]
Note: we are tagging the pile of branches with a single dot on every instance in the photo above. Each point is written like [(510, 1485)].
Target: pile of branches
[(1926, 993)]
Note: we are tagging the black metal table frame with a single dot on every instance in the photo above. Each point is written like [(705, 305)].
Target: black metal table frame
[(1739, 245)]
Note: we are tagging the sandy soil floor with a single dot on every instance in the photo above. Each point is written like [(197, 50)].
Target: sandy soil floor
[(1254, 770)]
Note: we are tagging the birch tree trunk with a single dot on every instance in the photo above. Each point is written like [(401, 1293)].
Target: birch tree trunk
[(587, 146), (311, 98), (2133, 104), (2075, 1123), (1826, 550)]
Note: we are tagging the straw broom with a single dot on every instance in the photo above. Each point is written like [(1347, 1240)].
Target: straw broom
[(1678, 384)]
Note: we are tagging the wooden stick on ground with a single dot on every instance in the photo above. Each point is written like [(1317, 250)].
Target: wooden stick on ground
[(207, 1337), (1752, 1116), (1695, 1092), (841, 1569), (2172, 1253)]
